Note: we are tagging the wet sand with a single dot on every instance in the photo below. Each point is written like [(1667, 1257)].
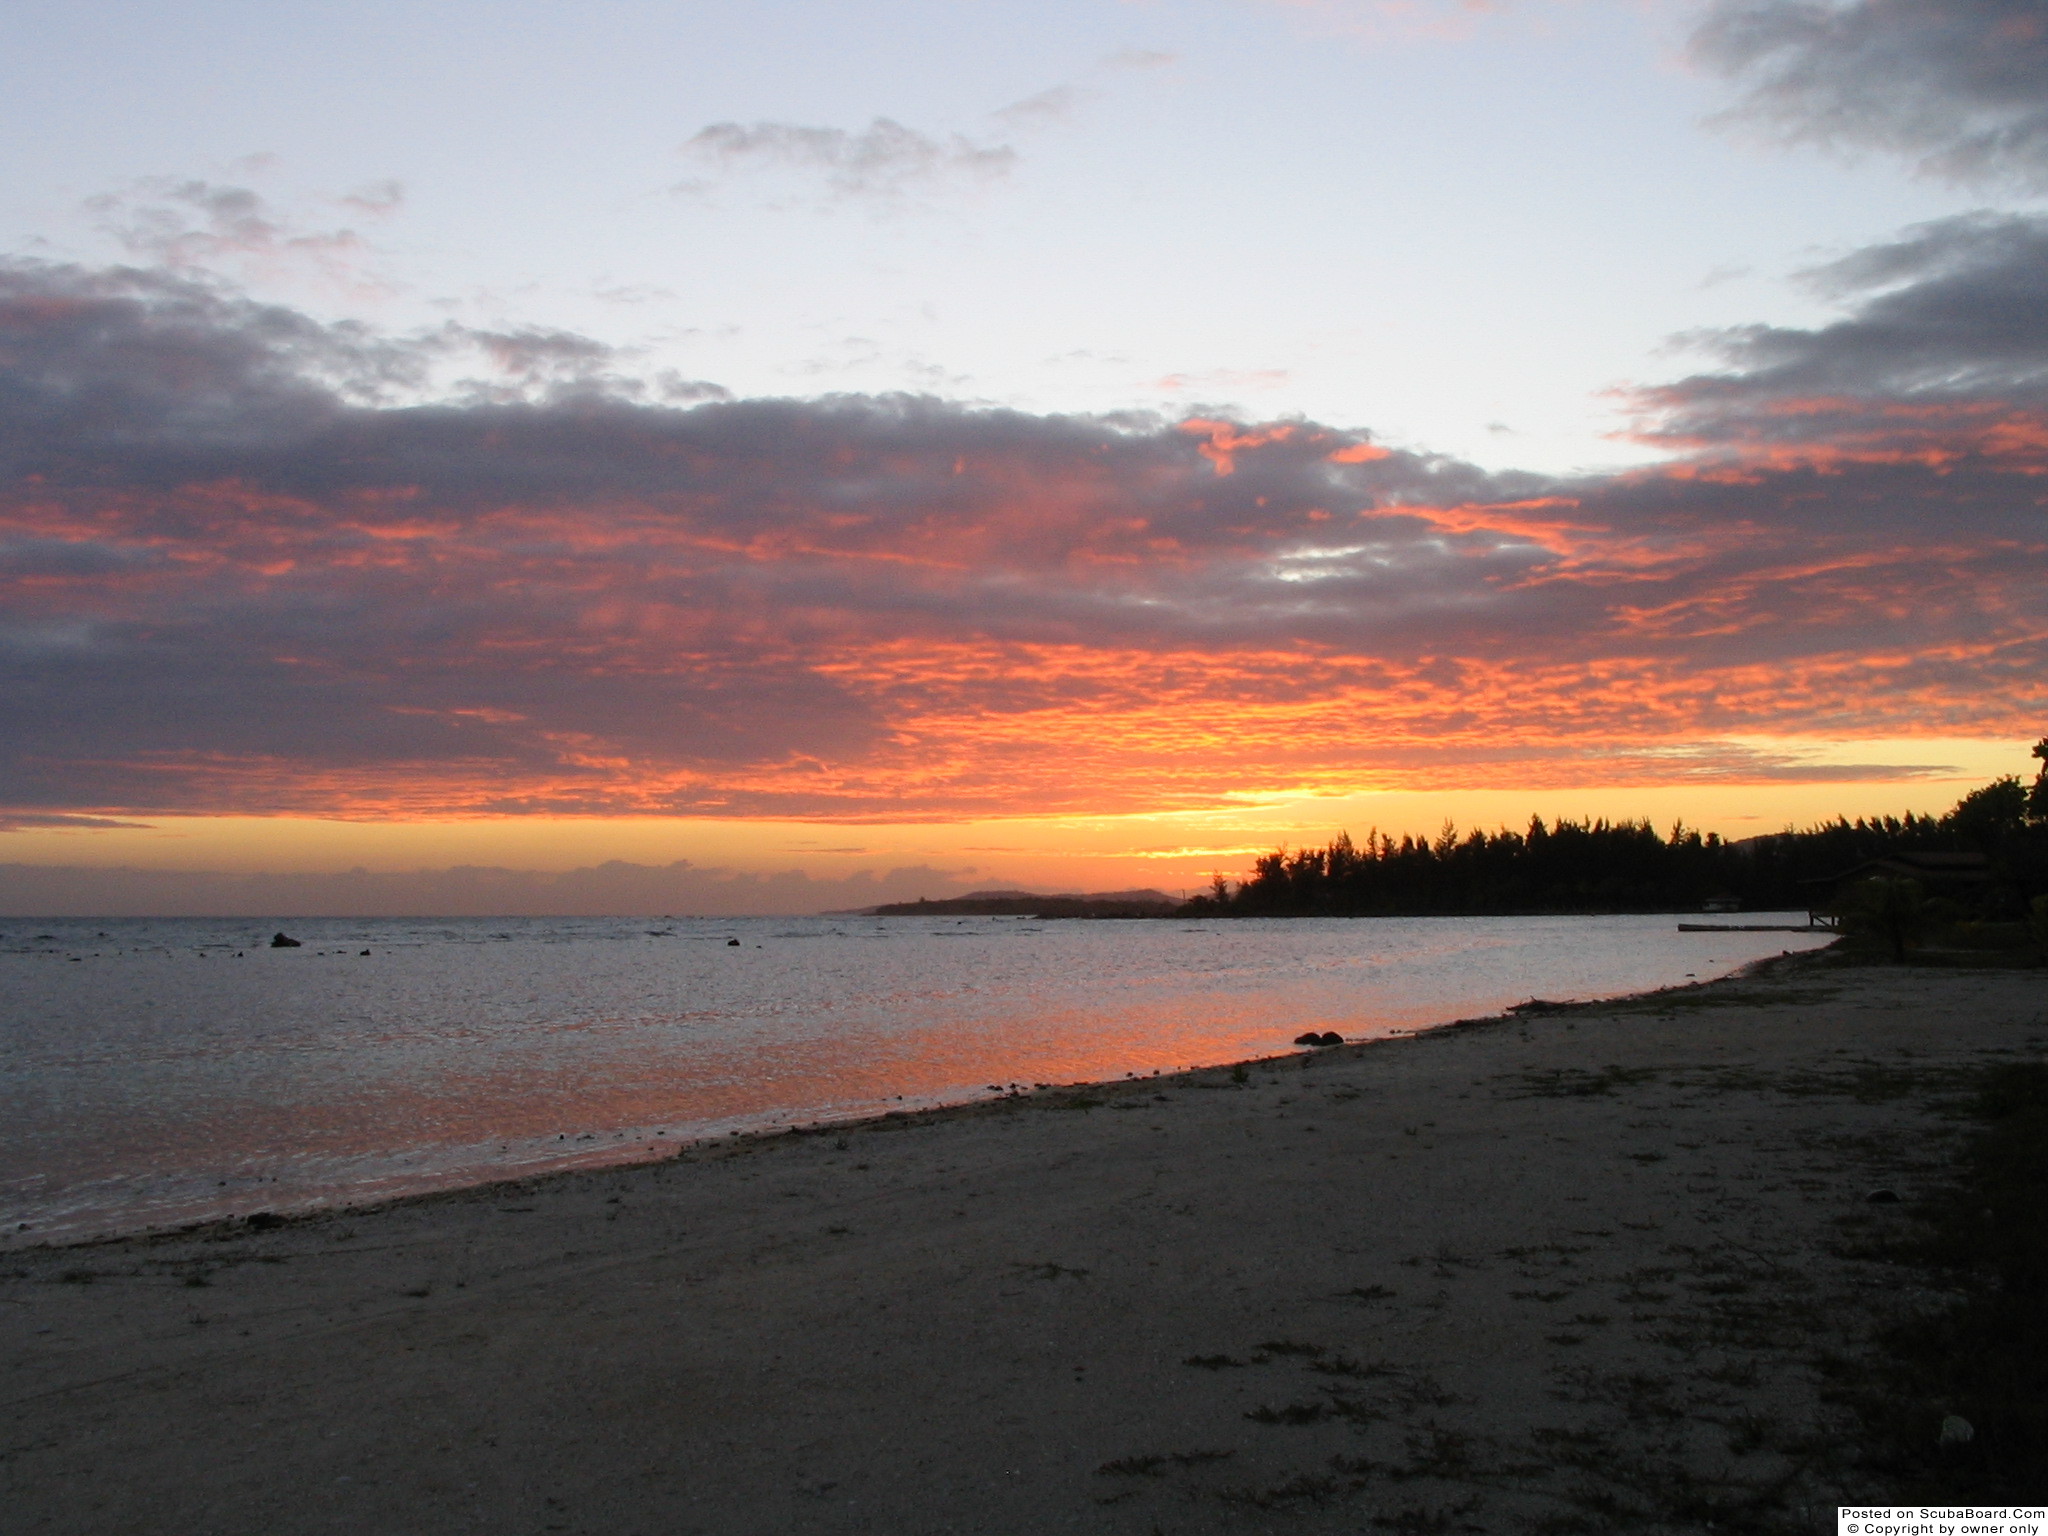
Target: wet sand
[(1529, 1273)]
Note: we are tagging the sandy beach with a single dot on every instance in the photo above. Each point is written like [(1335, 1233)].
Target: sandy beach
[(1574, 1271)]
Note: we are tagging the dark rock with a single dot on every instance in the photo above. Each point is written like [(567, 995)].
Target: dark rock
[(281, 941), (1883, 1197), (1331, 1037), (1311, 1038), (733, 943), (263, 1221)]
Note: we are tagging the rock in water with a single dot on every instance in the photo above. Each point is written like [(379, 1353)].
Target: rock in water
[(283, 941), (1957, 1430)]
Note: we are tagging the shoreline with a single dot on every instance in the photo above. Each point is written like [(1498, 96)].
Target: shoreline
[(268, 1218), (762, 1056), (1512, 1271)]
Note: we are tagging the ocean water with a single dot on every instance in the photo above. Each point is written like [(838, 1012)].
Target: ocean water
[(159, 1071)]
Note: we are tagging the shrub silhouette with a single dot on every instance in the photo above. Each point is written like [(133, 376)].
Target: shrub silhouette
[(1894, 913)]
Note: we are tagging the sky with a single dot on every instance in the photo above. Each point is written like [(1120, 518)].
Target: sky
[(773, 457)]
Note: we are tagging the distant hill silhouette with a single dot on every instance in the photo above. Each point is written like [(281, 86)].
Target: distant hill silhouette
[(1145, 903)]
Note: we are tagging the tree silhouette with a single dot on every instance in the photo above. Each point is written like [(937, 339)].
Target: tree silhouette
[(1625, 866)]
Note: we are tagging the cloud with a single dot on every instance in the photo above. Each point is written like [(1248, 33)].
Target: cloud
[(253, 563), (632, 293), (41, 821), (882, 161), (163, 364), (1057, 104), (183, 223), (1222, 379), (1383, 21), (200, 226), (1958, 86), (537, 363), (376, 199), (1947, 341), (885, 162), (1062, 103)]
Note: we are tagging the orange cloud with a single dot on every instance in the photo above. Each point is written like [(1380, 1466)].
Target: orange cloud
[(1227, 439)]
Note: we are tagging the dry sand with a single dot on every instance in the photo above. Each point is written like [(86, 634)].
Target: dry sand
[(1520, 1274)]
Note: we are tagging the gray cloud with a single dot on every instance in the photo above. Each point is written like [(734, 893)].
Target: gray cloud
[(1952, 314), (136, 362), (886, 161), (1958, 86), (181, 223), (234, 574), (1056, 104), (200, 226), (883, 160), (376, 199)]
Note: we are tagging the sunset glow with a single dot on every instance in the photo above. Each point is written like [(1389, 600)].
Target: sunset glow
[(296, 583)]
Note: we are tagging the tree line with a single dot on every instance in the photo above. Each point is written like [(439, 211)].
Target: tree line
[(1627, 866)]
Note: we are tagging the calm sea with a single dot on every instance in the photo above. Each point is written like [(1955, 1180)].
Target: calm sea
[(157, 1071)]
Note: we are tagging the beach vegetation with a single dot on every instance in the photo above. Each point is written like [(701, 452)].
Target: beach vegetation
[(1982, 1355), (1292, 1347), (1303, 1487), (1344, 1365), (1421, 1520), (1368, 1293), (1155, 1466), (1133, 1466), (1313, 1412), (1577, 1082)]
